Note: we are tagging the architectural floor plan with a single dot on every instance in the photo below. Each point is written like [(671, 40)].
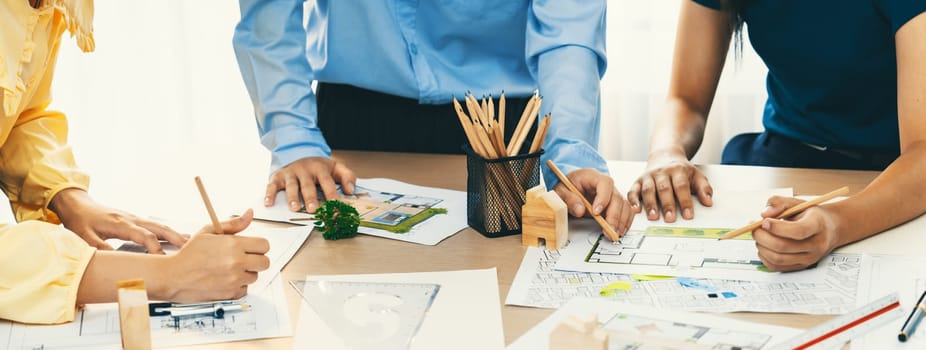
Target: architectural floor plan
[(97, 326), (537, 284), (674, 251)]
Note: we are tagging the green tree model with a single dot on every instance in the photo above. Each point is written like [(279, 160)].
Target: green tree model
[(336, 220)]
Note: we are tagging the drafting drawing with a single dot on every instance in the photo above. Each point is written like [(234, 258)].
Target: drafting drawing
[(833, 295), (674, 251), (881, 275), (682, 247), (641, 327), (97, 326), (537, 284), (622, 324)]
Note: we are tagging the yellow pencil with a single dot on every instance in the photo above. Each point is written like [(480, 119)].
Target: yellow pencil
[(788, 213)]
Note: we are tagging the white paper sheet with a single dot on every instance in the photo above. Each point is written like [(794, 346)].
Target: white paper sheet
[(881, 275), (731, 209), (465, 314), (97, 326), (537, 284), (429, 232), (284, 243), (641, 320)]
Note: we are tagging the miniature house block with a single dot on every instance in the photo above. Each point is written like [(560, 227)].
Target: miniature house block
[(544, 219)]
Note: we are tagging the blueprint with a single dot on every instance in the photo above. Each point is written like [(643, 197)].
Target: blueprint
[(672, 251), (633, 327), (97, 326), (537, 284)]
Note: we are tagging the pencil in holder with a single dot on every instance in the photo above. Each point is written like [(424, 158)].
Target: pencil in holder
[(495, 191)]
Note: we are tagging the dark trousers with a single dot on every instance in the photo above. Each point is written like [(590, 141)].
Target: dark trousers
[(770, 149), (352, 118)]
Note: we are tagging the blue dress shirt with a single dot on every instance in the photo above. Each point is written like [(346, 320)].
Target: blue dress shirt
[(426, 50)]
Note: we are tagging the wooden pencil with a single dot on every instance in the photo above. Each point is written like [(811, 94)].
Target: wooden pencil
[(605, 226), (522, 134), (501, 114), (216, 225), (466, 122), (517, 130), (788, 213), (540, 135)]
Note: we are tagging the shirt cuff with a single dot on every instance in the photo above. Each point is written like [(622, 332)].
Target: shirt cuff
[(291, 143), (570, 157)]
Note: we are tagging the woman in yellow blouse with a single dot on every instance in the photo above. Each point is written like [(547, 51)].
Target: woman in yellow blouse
[(47, 270)]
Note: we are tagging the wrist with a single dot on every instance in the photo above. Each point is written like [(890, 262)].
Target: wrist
[(839, 222), (672, 152), (164, 278), (67, 200)]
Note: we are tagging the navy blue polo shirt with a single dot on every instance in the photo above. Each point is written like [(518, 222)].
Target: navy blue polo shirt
[(832, 70)]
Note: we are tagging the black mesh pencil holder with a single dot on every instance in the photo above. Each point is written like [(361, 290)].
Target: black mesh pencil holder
[(495, 190)]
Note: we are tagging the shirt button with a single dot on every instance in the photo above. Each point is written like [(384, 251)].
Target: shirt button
[(413, 48)]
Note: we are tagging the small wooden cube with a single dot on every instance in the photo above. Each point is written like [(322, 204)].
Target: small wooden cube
[(134, 321), (544, 219)]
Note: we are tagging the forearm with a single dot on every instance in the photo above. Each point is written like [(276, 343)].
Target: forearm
[(572, 140), (679, 131), (270, 47), (894, 197), (106, 268), (701, 44), (566, 55)]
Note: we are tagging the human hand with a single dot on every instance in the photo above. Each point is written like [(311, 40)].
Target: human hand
[(599, 189), (303, 175), (218, 267), (798, 242), (95, 223), (666, 180)]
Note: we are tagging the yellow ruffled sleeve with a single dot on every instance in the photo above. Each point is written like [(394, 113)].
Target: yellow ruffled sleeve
[(42, 268), (35, 161)]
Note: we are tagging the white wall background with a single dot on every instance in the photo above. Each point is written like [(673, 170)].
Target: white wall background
[(162, 94)]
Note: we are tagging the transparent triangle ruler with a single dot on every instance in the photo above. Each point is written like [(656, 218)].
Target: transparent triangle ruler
[(370, 315), (836, 332)]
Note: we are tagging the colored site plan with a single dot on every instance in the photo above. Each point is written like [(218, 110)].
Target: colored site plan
[(393, 212)]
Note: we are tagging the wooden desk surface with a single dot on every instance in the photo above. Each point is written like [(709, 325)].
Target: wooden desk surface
[(470, 250)]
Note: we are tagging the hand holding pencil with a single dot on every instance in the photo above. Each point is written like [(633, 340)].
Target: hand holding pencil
[(795, 234)]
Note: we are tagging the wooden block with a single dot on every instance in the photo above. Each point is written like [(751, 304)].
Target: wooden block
[(134, 322), (575, 333), (544, 218)]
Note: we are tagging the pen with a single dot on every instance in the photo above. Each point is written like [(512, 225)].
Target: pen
[(909, 326)]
